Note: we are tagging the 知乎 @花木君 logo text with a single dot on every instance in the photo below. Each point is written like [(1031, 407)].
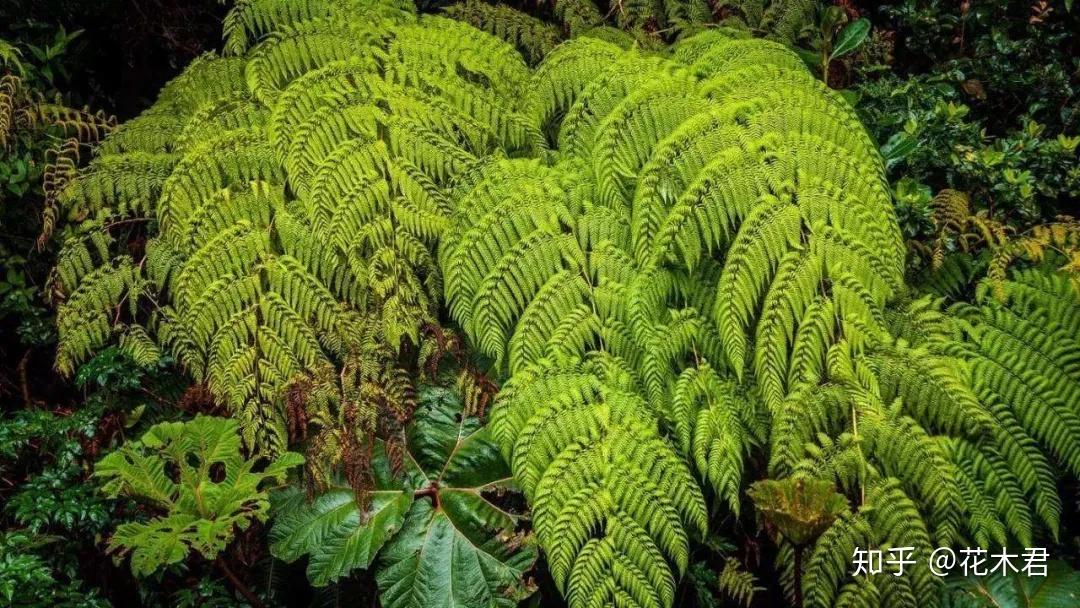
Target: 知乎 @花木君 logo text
[(944, 561)]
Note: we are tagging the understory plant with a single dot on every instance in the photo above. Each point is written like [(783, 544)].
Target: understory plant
[(194, 474), (437, 524), (980, 97)]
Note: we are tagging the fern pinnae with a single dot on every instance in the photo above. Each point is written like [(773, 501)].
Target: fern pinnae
[(290, 51), (768, 232), (1032, 467), (828, 563), (563, 75), (643, 118), (207, 78), (533, 37), (734, 53), (999, 482), (150, 132), (796, 285)]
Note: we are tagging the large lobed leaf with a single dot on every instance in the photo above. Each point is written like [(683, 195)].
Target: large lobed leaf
[(195, 474), (1058, 589), (331, 528), (436, 537)]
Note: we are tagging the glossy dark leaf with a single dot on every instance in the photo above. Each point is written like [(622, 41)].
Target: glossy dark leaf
[(437, 537), (457, 548), (335, 534), (851, 37), (899, 146), (331, 529), (1058, 589)]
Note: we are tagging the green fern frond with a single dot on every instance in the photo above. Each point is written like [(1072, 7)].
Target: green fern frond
[(534, 38), (89, 314), (736, 583)]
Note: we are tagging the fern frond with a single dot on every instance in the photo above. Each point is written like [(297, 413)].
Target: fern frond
[(736, 583), (87, 319), (534, 38)]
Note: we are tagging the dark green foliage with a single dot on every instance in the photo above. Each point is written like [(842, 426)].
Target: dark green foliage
[(20, 302), (1060, 587), (989, 92), (94, 38), (53, 509), (533, 37), (783, 20), (1022, 55), (27, 580), (57, 499), (52, 513), (1025, 173)]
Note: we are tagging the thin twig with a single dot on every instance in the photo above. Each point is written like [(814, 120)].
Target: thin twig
[(24, 384), (239, 585), (131, 220)]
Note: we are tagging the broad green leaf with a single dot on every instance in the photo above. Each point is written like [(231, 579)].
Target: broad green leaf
[(799, 509), (440, 540), (456, 549), (1060, 588), (452, 449), (899, 146), (832, 18), (812, 59), (331, 529), (446, 557), (851, 37), (10, 55), (160, 542)]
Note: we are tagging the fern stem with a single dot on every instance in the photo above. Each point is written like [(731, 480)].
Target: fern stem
[(798, 575), (131, 220), (24, 382), (862, 456)]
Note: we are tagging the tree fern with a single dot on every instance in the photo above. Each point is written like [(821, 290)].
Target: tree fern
[(293, 190), (711, 249)]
